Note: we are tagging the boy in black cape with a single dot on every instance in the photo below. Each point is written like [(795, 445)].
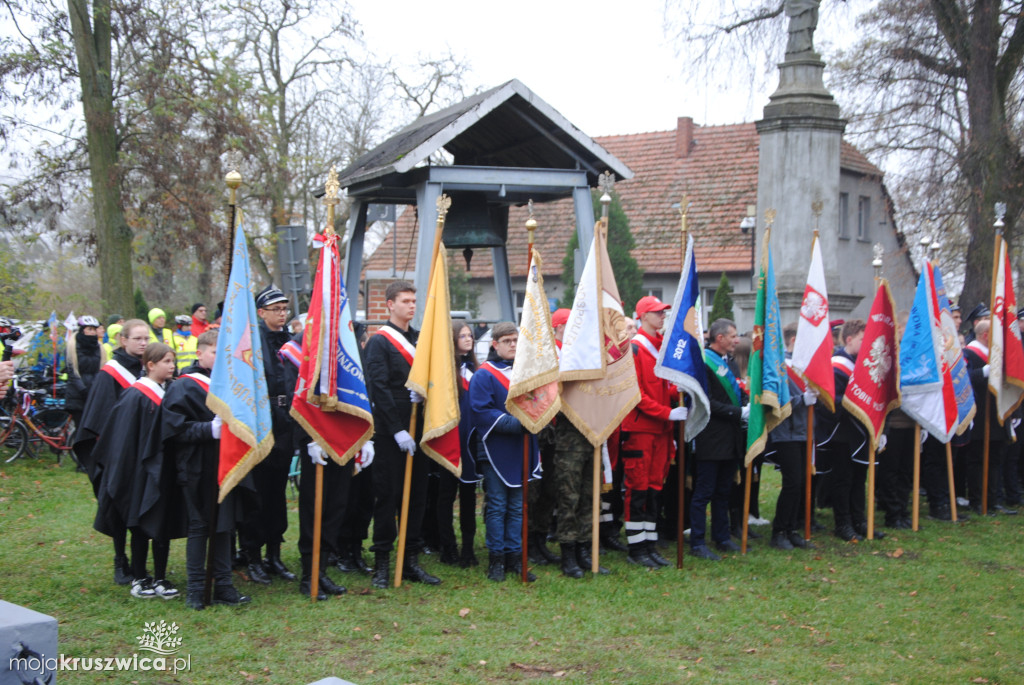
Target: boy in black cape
[(191, 438), (117, 374), (138, 486)]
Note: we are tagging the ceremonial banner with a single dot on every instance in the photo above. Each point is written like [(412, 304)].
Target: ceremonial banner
[(681, 357), (874, 387), (331, 402), (769, 377), (433, 373), (533, 388), (962, 390), (812, 350), (926, 383), (599, 385), (1006, 355), (238, 386)]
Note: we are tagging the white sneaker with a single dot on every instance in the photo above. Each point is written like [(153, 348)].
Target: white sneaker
[(754, 521), (143, 588), (165, 588), (962, 502)]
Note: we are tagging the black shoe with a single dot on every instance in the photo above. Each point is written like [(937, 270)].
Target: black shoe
[(240, 560), (414, 573), (846, 533), (514, 566), (227, 594), (257, 574), (586, 562), (899, 524), (538, 552), (122, 571), (306, 590), (194, 599), (329, 586), (381, 570), (570, 567), (275, 566), (780, 540), (496, 567), (467, 558), (702, 552), (613, 543), (655, 555), (450, 555), (1005, 511), (816, 527), (728, 546), (346, 563), (737, 533), (796, 538), (638, 555), (862, 531)]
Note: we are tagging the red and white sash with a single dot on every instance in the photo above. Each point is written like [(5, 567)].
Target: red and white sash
[(202, 379), (978, 349), (504, 376), (465, 376), (843, 365), (150, 389), (646, 344), (123, 376), (404, 347)]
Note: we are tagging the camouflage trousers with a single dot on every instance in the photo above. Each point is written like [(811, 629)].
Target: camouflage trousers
[(574, 481), (542, 492)]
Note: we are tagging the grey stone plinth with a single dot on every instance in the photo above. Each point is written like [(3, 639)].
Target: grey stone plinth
[(33, 637)]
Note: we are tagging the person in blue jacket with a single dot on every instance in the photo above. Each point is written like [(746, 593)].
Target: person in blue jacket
[(498, 437)]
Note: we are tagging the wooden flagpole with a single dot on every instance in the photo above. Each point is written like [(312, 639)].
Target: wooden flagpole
[(601, 234), (816, 208), (531, 226), (443, 203), (1000, 213), (949, 478), (684, 208), (916, 492)]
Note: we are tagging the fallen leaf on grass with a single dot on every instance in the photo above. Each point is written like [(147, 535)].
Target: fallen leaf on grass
[(376, 636), (898, 553), (752, 650), (464, 612), (913, 593), (558, 674), (482, 662), (979, 680), (531, 667)]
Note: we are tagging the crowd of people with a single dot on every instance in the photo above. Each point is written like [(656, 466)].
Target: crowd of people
[(149, 445)]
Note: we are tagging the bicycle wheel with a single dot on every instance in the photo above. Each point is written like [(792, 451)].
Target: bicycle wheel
[(15, 437), (55, 424)]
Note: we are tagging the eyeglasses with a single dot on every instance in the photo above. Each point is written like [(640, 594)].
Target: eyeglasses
[(278, 310), (511, 342)]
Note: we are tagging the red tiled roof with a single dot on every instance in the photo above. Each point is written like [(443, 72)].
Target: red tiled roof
[(718, 175)]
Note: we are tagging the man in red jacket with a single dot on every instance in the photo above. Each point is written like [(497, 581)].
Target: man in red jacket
[(647, 438)]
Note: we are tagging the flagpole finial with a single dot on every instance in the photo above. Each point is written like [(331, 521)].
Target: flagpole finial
[(816, 208), (331, 188), (606, 183), (444, 203), (769, 217), (531, 226), (877, 250), (233, 180), (1000, 214)]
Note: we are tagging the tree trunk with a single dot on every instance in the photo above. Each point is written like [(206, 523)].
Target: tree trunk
[(113, 237)]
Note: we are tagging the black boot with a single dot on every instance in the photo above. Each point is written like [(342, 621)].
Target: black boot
[(329, 586), (381, 569), (537, 549), (468, 558), (450, 555), (638, 555), (306, 583), (844, 531), (274, 566), (496, 567), (650, 526), (610, 540), (414, 573), (346, 562), (585, 561), (570, 567), (122, 570), (514, 566), (254, 568), (780, 540), (194, 599)]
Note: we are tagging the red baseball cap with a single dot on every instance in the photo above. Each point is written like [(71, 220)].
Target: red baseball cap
[(559, 317), (649, 303)]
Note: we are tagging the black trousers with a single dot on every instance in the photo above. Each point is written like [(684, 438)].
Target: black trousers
[(358, 510), (896, 474), (388, 477), (335, 493), (975, 471), (266, 523), (448, 487), (542, 494), (935, 475), (844, 479), (196, 546), (790, 457)]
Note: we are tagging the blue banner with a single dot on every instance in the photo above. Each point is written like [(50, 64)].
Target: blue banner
[(957, 366)]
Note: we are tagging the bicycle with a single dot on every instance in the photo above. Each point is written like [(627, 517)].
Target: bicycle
[(29, 427)]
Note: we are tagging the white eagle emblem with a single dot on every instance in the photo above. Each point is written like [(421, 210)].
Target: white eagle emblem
[(878, 361), (814, 307)]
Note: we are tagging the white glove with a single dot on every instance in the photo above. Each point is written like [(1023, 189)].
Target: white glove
[(405, 442), (415, 397), (678, 414), (883, 440), (316, 454), (984, 370), (745, 412), (924, 437), (365, 456), (606, 463), (1014, 423), (215, 427), (810, 398)]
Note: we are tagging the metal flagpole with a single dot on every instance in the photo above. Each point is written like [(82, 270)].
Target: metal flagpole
[(876, 263), (531, 226), (443, 203), (684, 208), (1000, 213), (816, 207)]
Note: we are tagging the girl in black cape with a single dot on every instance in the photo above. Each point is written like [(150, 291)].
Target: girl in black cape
[(139, 486)]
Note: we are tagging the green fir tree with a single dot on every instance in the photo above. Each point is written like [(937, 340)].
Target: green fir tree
[(721, 306)]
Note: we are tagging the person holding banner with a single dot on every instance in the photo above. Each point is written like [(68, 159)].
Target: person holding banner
[(388, 355), (720, 446)]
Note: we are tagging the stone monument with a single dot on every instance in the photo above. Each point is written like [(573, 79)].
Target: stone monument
[(798, 172)]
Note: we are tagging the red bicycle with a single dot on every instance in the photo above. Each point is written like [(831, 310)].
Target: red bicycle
[(27, 424)]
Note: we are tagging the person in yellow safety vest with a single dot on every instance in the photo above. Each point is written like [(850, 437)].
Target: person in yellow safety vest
[(114, 333), (157, 332), (185, 344)]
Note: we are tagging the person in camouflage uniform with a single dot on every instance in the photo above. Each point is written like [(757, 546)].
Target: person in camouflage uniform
[(574, 473)]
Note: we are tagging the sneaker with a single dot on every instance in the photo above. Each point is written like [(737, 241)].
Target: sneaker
[(728, 546), (963, 502), (143, 588), (165, 589), (228, 594), (755, 521), (702, 552)]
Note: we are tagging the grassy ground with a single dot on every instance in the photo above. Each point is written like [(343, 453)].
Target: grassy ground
[(942, 605)]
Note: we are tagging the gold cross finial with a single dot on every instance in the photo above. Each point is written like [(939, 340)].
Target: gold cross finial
[(443, 204), (332, 186), (769, 217)]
